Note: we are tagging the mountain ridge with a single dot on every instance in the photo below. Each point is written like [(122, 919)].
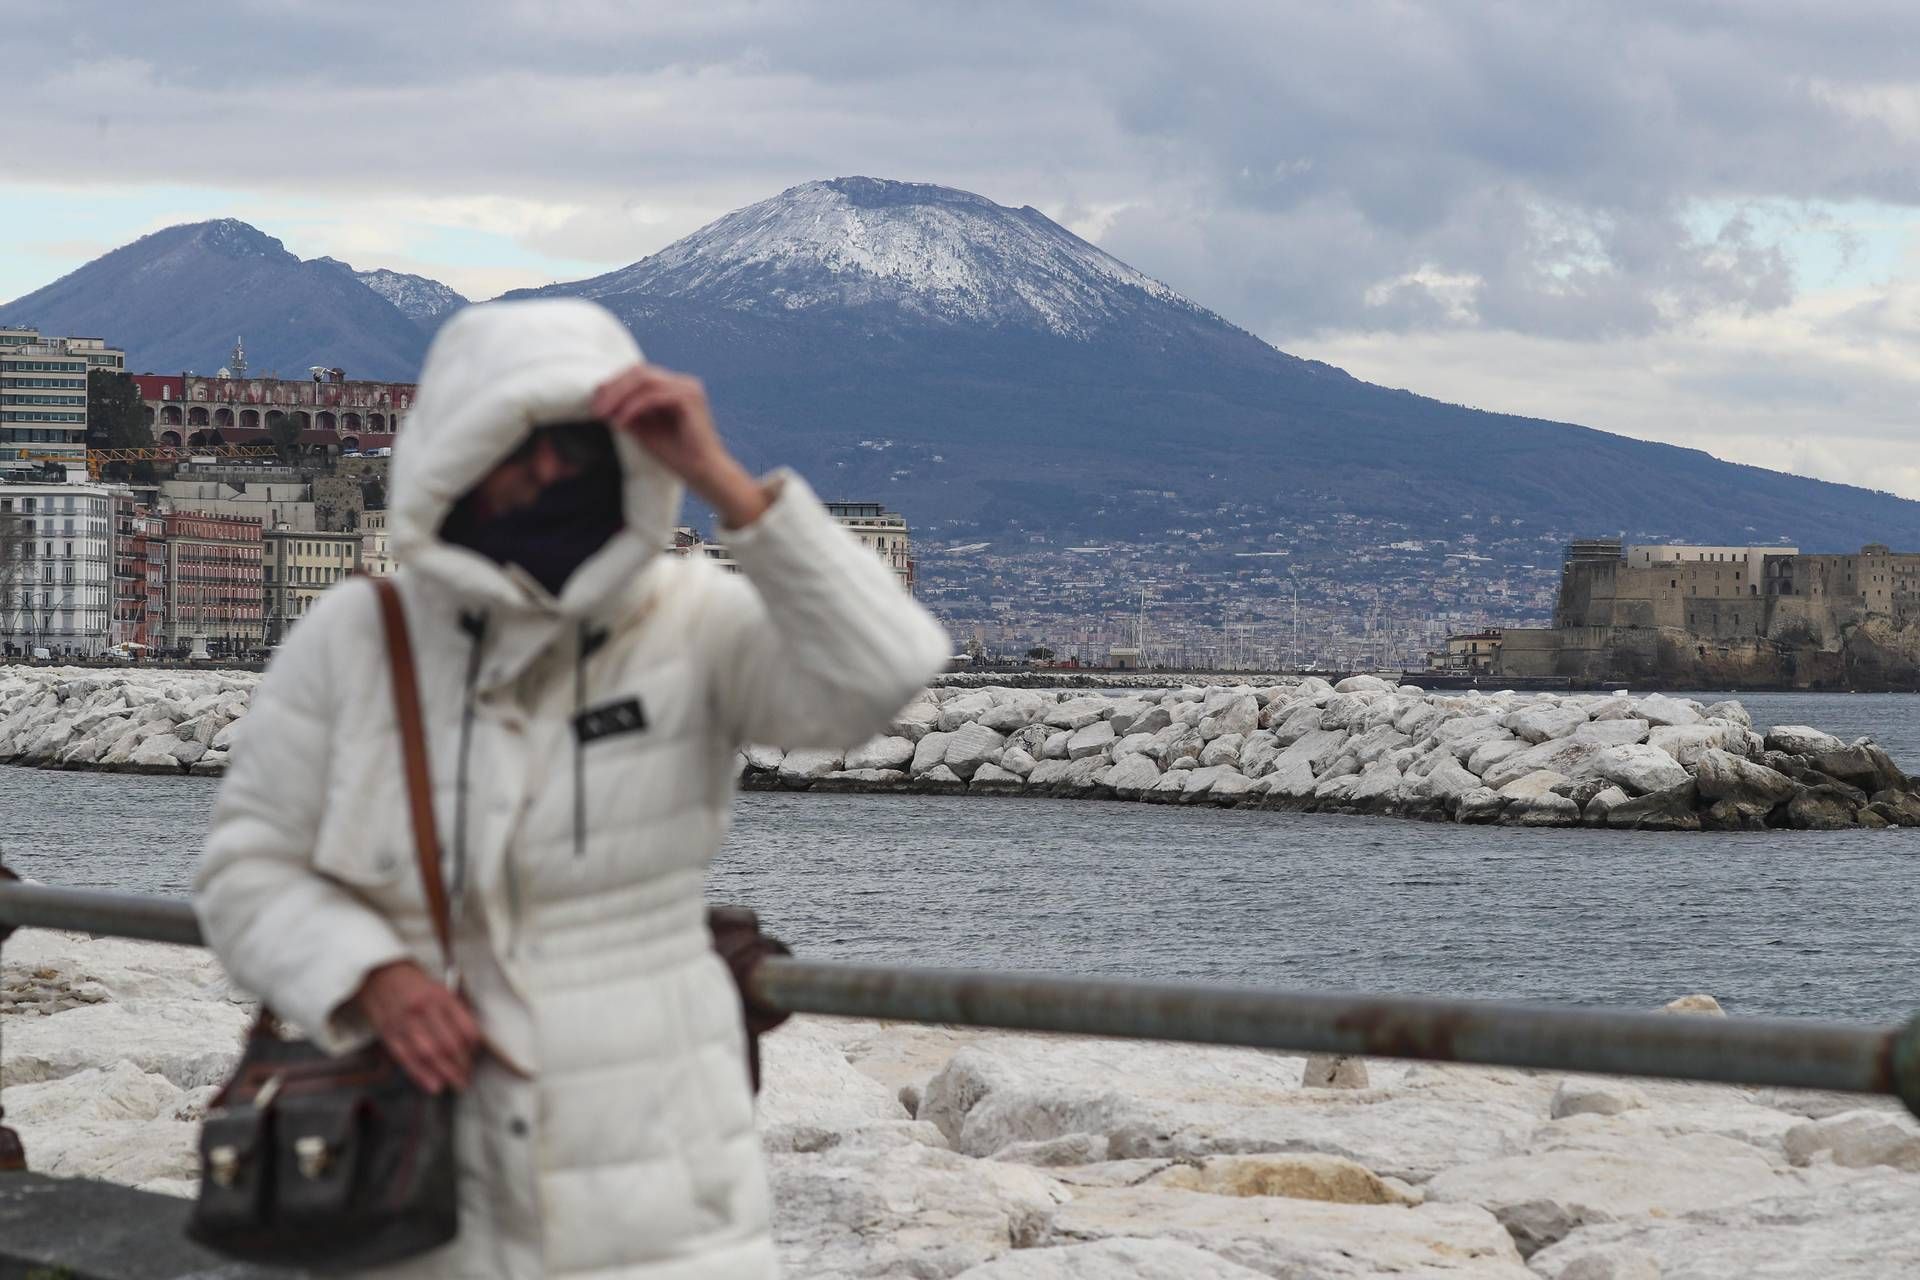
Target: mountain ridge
[(174, 299), (994, 375)]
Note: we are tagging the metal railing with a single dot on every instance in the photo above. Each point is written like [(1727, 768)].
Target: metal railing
[(1779, 1052)]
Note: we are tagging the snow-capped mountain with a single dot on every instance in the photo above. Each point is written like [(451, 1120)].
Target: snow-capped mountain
[(991, 374), (934, 253), (425, 302), (985, 369)]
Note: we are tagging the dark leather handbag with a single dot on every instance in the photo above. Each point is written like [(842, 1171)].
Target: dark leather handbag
[(337, 1163)]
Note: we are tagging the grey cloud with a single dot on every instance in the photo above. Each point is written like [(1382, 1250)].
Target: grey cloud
[(1528, 165)]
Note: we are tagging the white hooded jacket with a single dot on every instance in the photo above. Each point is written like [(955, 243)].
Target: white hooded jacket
[(623, 1145)]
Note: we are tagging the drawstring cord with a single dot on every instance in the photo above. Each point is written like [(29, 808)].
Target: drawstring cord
[(588, 642), (475, 625)]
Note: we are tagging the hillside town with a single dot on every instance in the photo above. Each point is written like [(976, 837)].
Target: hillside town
[(246, 498), (207, 520)]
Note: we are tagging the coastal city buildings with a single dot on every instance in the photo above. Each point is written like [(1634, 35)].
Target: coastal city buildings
[(1469, 653), (375, 556), (297, 565), (688, 542), (333, 412), (139, 574), (881, 530), (274, 504), (56, 567), (214, 583), (43, 395)]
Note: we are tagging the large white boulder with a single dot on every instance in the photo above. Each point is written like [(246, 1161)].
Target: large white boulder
[(1584, 1170), (1844, 1226), (1544, 721), (1569, 757), (965, 709), (1092, 739), (1017, 762), (930, 751), (1857, 1139), (1658, 709), (900, 1209), (884, 752), (1224, 749), (971, 746), (1687, 743), (1240, 715), (1078, 713), (1258, 753), (1638, 768), (1172, 1102), (807, 764), (1801, 740), (1613, 732), (1132, 775), (1751, 788)]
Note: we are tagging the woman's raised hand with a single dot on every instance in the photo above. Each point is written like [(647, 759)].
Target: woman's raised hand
[(667, 413)]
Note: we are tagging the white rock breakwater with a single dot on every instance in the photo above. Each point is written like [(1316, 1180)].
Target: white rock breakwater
[(1367, 746), (1362, 746), (131, 721), (900, 1150)]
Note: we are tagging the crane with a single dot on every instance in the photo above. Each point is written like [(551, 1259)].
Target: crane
[(97, 459)]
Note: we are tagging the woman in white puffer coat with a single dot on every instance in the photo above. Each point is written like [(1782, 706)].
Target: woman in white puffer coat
[(606, 1123)]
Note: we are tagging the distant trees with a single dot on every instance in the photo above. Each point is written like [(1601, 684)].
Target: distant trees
[(1040, 653), (116, 418), (285, 430)]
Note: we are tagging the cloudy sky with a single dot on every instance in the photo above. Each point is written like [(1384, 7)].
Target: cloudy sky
[(1684, 220)]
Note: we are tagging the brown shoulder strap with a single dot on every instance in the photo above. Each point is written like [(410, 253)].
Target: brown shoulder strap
[(413, 746)]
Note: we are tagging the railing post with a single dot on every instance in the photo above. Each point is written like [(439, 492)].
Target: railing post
[(13, 1153)]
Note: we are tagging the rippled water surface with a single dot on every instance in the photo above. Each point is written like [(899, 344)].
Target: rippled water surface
[(1787, 923)]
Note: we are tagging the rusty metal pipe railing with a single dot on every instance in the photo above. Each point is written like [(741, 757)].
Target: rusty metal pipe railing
[(1781, 1052)]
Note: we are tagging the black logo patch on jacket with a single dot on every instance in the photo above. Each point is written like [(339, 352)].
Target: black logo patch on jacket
[(609, 721)]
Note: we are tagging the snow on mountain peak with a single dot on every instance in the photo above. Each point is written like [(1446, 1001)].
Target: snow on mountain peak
[(934, 252), (417, 297)]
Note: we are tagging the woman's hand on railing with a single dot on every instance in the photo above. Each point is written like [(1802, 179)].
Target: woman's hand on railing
[(428, 1029)]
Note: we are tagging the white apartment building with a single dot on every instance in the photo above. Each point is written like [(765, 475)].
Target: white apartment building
[(297, 565), (43, 395), (376, 557), (1751, 560), (882, 531), (56, 567), (872, 525)]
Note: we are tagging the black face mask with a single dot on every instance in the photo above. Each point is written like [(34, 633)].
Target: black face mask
[(556, 533)]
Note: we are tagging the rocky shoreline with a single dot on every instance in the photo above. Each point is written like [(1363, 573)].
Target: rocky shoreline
[(1363, 746), (905, 1150)]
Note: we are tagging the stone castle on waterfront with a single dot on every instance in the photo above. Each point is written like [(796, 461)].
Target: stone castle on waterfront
[(1727, 616)]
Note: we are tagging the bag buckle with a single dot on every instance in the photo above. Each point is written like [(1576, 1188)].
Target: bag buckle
[(223, 1165), (312, 1155)]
